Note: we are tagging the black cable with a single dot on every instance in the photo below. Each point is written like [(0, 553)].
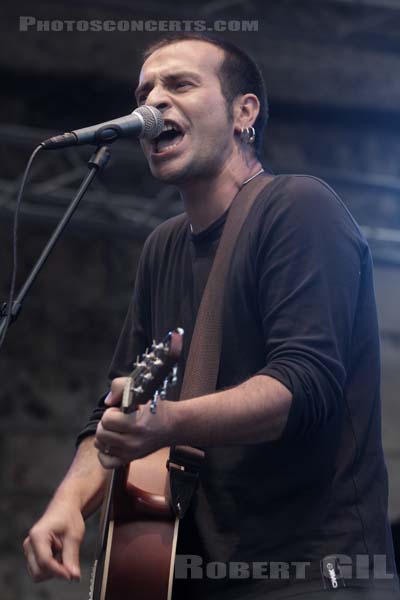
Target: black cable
[(15, 243)]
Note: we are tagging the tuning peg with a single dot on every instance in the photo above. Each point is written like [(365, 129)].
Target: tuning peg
[(174, 378), (141, 364), (153, 403), (147, 376), (164, 390)]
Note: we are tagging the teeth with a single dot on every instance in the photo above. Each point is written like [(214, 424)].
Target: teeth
[(169, 127), (168, 147)]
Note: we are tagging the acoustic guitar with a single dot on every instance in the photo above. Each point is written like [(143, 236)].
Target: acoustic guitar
[(137, 538)]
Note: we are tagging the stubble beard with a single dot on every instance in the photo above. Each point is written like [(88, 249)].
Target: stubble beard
[(194, 170)]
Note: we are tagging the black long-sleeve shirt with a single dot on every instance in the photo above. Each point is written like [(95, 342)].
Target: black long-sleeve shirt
[(299, 306)]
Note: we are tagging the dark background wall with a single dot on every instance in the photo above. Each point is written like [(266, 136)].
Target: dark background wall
[(331, 68)]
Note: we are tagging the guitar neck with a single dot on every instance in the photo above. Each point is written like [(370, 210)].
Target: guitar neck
[(120, 519)]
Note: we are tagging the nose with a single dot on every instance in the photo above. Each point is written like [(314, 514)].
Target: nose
[(159, 98)]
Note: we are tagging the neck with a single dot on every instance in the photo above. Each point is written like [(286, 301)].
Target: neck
[(205, 199)]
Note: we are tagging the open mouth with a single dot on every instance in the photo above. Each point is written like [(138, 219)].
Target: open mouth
[(169, 138)]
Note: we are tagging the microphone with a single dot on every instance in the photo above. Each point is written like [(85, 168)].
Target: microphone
[(144, 122)]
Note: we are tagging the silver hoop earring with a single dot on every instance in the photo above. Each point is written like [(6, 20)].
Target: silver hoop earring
[(248, 135)]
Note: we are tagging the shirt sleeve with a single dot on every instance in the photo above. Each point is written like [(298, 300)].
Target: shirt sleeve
[(133, 341), (308, 263)]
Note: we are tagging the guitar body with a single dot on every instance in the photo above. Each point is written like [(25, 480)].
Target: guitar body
[(138, 557), (141, 562)]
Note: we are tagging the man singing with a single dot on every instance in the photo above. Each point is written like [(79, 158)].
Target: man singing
[(294, 473)]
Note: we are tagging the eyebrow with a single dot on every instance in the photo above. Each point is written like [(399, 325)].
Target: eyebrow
[(169, 79)]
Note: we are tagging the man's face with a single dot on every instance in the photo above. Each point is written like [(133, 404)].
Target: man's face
[(181, 80)]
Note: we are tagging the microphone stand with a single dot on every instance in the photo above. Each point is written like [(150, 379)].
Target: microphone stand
[(97, 163)]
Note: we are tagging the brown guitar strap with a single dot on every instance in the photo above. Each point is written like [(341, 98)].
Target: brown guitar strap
[(202, 366)]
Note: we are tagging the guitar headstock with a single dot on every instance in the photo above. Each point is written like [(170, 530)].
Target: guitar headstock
[(153, 372)]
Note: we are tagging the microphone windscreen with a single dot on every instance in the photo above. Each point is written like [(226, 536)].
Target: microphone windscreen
[(153, 121)]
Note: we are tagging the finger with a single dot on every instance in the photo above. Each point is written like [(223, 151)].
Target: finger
[(115, 395), (31, 564), (114, 420), (108, 399), (105, 448), (40, 560), (33, 568), (57, 548), (111, 462), (70, 556), (116, 448), (106, 438)]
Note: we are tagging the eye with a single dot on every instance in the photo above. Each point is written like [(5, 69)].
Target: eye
[(141, 99), (182, 84)]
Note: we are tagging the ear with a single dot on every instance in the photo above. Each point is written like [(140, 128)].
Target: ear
[(245, 111)]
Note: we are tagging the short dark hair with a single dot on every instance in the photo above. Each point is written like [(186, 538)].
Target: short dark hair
[(238, 75)]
